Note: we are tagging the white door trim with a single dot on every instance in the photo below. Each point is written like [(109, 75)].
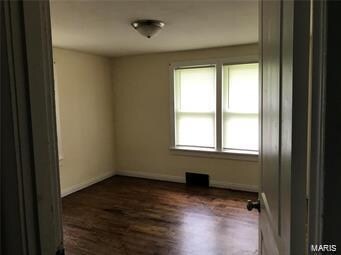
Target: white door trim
[(37, 24), (28, 34)]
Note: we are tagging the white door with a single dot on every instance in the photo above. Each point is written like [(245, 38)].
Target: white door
[(270, 132), (284, 65)]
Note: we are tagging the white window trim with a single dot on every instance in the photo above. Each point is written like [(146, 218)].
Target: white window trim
[(217, 152)]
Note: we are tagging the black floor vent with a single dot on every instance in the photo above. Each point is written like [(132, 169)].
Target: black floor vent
[(193, 179)]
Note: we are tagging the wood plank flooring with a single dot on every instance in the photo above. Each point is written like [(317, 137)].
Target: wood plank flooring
[(132, 216)]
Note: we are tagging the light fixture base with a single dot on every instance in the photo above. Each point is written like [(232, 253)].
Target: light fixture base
[(148, 27)]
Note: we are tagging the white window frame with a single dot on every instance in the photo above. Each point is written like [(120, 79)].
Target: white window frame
[(217, 152)]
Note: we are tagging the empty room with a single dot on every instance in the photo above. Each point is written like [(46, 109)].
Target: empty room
[(157, 107), (169, 127)]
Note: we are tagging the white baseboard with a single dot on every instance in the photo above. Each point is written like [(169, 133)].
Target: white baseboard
[(234, 186), (85, 184), (180, 179), (152, 176)]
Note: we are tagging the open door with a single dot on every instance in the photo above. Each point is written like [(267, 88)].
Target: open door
[(284, 79)]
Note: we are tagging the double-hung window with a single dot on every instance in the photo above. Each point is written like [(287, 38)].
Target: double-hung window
[(215, 107)]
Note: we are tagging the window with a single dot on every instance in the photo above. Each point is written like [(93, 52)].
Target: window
[(215, 107)]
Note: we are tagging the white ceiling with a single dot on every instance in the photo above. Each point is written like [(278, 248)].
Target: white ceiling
[(103, 27)]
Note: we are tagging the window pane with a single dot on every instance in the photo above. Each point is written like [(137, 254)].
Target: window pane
[(240, 106), (195, 130), (195, 89), (195, 106), (240, 88), (240, 131)]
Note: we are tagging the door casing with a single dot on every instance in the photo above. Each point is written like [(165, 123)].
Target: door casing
[(32, 111)]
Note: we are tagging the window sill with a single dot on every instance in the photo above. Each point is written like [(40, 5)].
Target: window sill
[(212, 153)]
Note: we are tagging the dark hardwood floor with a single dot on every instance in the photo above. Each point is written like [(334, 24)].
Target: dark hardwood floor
[(123, 215)]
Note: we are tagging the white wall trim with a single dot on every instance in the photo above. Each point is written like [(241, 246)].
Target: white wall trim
[(181, 179), (233, 186), (225, 154), (85, 184), (152, 176)]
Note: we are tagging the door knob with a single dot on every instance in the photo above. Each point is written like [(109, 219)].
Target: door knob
[(253, 205)]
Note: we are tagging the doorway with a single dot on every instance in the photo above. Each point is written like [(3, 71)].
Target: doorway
[(42, 133), (193, 104)]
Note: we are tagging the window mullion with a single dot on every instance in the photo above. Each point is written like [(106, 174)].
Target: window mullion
[(219, 107)]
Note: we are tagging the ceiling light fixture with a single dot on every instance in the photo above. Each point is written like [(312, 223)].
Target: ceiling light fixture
[(147, 27)]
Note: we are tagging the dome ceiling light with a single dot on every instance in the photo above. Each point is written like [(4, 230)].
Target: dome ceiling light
[(147, 27)]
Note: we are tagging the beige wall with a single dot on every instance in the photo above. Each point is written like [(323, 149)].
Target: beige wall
[(142, 122), (86, 117)]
